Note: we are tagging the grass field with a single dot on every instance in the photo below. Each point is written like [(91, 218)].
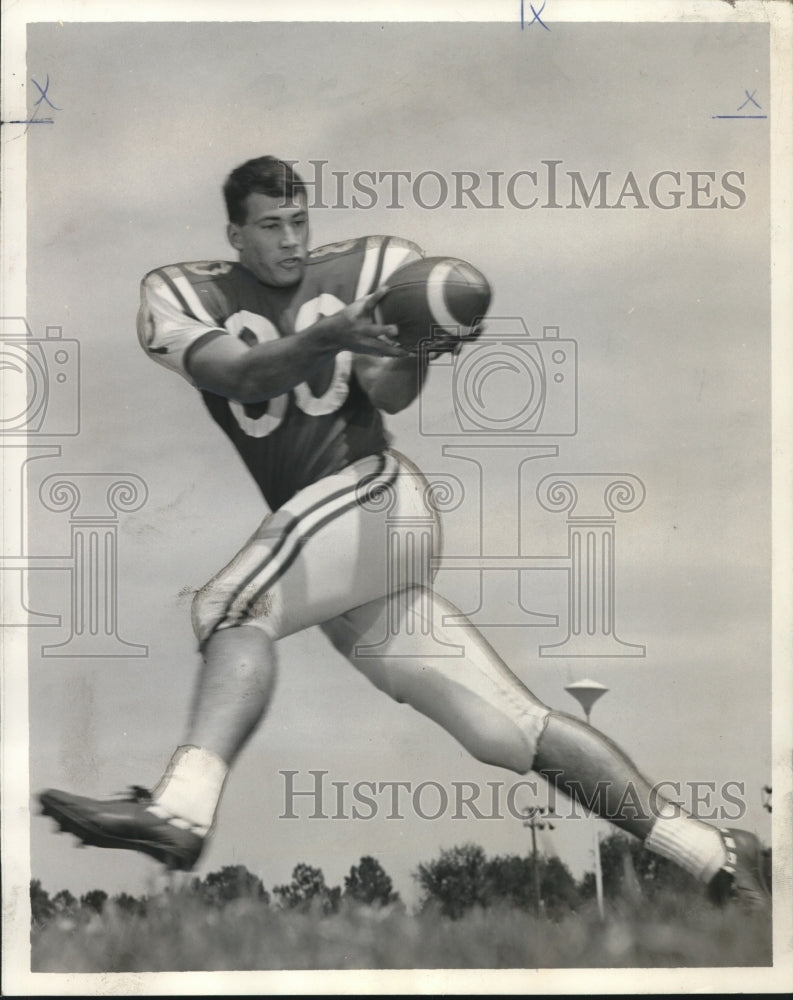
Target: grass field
[(180, 934)]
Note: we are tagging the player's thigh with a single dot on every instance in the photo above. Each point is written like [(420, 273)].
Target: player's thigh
[(324, 552)]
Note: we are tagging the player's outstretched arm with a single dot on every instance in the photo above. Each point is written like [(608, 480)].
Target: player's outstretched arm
[(226, 366)]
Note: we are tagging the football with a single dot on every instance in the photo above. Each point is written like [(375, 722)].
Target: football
[(433, 297)]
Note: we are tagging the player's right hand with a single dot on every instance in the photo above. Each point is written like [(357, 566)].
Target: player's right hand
[(354, 329)]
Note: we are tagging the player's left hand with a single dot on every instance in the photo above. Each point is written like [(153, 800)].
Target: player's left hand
[(454, 343)]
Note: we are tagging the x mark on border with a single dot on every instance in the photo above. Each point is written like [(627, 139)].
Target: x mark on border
[(536, 14), (750, 97), (43, 91)]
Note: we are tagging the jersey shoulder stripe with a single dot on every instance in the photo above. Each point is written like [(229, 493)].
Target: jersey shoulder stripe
[(367, 261), (205, 289), (174, 280), (174, 318), (382, 256)]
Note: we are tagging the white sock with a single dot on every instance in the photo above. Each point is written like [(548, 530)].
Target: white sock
[(191, 787), (693, 845)]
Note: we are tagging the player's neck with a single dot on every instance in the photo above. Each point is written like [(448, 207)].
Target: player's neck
[(280, 293)]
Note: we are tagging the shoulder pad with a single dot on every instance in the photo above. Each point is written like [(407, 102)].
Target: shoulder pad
[(362, 243), (195, 269)]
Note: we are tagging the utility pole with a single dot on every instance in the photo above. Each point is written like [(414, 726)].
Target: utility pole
[(535, 821)]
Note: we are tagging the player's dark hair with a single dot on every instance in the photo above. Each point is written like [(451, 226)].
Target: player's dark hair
[(264, 175)]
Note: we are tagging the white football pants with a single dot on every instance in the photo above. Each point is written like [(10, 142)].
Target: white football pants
[(352, 553)]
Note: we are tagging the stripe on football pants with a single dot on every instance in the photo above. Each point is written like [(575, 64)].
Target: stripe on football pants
[(299, 531), (308, 524), (290, 526)]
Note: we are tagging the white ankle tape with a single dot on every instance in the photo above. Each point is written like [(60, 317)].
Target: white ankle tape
[(192, 785)]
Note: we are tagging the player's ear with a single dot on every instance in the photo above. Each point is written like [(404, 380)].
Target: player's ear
[(234, 236)]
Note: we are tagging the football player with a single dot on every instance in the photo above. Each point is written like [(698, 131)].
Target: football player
[(284, 347)]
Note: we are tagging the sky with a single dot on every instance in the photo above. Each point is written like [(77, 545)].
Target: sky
[(671, 314)]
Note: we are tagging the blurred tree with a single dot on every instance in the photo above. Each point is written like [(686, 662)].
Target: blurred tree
[(456, 880), (130, 904), (463, 877), (64, 902), (586, 887), (308, 889), (368, 883), (41, 906), (229, 883), (510, 879), (94, 900), (558, 888)]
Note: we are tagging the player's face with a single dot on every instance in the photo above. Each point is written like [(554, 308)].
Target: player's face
[(272, 242)]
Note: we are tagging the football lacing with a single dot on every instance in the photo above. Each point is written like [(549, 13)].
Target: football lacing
[(731, 864)]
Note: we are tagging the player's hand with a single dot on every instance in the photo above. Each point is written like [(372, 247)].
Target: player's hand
[(354, 329), (453, 343)]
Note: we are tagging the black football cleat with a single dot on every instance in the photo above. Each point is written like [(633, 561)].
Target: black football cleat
[(741, 879), (134, 823)]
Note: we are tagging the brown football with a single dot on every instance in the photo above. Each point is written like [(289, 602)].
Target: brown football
[(432, 297)]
